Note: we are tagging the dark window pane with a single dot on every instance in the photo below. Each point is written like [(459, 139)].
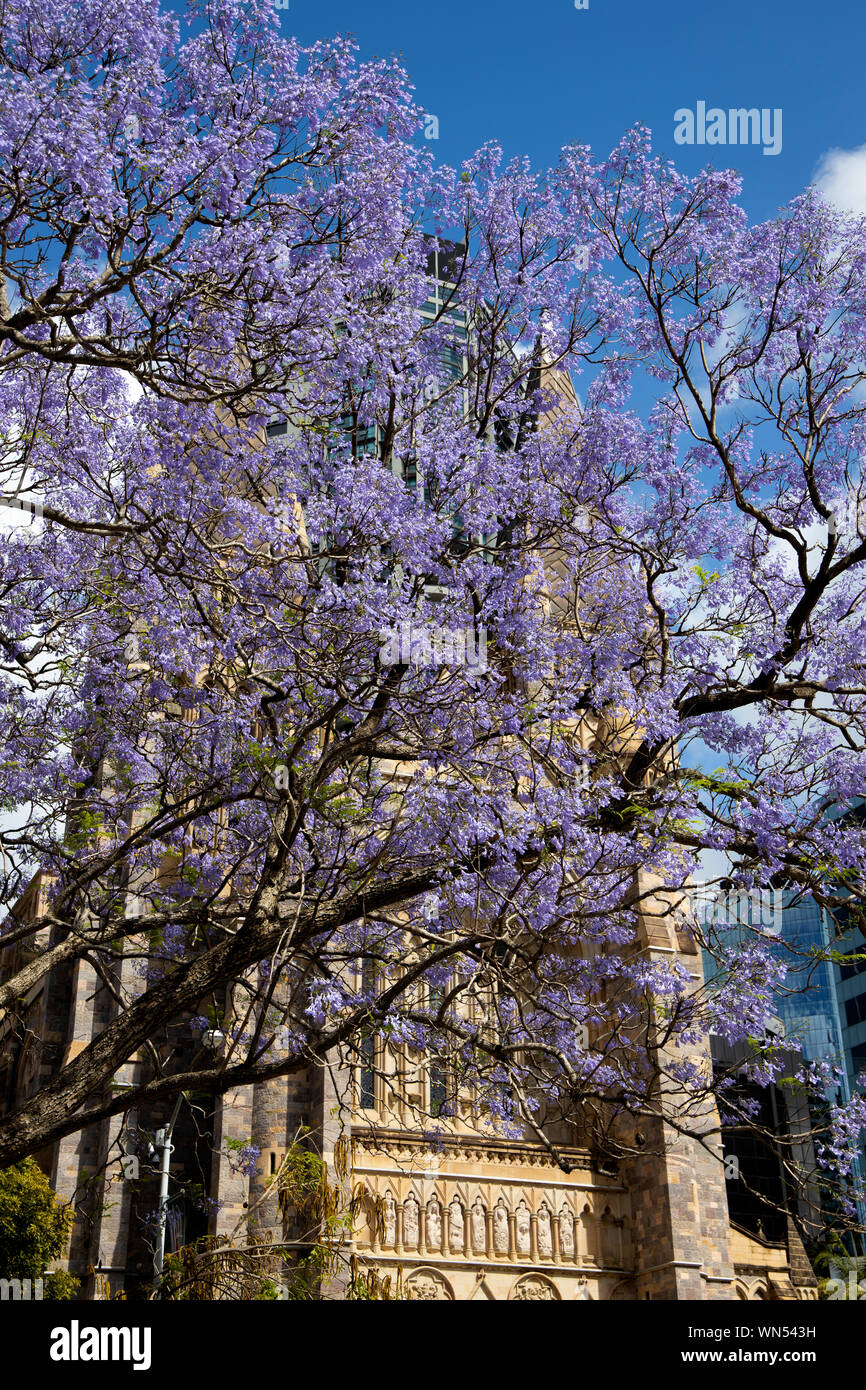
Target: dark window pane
[(367, 1077), (438, 1090)]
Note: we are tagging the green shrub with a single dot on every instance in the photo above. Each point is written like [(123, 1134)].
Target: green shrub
[(34, 1225), (60, 1286)]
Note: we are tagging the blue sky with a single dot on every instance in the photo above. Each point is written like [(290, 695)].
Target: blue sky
[(535, 76)]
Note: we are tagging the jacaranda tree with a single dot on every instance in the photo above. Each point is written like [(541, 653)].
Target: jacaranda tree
[(392, 722)]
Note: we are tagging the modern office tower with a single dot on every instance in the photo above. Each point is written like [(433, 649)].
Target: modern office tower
[(817, 1008), (808, 1005), (760, 1203), (823, 1005), (850, 978), (851, 987)]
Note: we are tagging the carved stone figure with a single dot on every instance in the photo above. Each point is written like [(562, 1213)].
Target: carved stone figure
[(534, 1287), (500, 1229), (428, 1286), (521, 1223), (566, 1234), (411, 1225), (479, 1228), (545, 1232), (456, 1227), (434, 1225), (389, 1219)]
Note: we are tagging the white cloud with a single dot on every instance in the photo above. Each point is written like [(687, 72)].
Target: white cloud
[(841, 176)]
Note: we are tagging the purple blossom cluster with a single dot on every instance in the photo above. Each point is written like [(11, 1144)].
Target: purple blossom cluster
[(231, 271)]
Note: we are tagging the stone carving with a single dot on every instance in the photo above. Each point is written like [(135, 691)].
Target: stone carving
[(428, 1286), (534, 1287), (456, 1227), (521, 1223), (434, 1225), (545, 1231), (500, 1229), (566, 1234), (389, 1219), (411, 1224), (479, 1228), (408, 1147)]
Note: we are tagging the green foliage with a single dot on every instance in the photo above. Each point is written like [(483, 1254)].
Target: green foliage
[(60, 1286), (835, 1266), (707, 577), (720, 782), (251, 1265), (33, 1223)]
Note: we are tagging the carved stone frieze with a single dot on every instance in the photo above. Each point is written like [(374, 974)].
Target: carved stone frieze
[(534, 1288), (428, 1286)]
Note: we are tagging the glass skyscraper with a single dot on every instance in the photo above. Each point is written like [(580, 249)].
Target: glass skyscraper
[(808, 1004), (850, 980), (821, 1006)]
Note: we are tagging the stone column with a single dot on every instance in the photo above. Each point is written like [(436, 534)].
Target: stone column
[(398, 1227)]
